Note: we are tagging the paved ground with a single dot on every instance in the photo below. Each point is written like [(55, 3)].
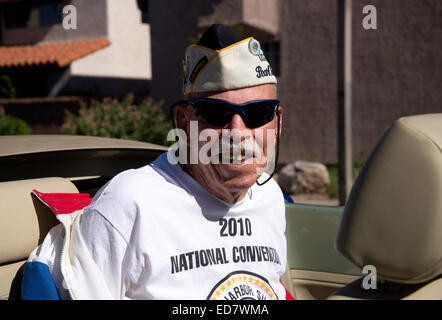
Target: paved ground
[(315, 199)]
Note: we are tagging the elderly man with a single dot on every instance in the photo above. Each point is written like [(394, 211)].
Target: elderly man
[(184, 228)]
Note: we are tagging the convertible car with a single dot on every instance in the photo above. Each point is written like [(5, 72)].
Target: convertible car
[(384, 244)]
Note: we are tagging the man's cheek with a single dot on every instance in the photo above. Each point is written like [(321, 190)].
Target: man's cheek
[(208, 146), (264, 141)]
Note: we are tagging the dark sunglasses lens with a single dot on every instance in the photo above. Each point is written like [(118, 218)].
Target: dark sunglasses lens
[(214, 112), (218, 113), (259, 113)]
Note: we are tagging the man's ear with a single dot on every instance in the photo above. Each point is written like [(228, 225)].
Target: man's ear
[(182, 117), (280, 111)]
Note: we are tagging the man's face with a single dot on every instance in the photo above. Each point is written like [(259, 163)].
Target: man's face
[(230, 181)]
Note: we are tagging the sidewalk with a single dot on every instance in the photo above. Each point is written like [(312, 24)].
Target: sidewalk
[(318, 199)]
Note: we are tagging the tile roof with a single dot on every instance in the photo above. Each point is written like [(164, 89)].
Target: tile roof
[(60, 53)]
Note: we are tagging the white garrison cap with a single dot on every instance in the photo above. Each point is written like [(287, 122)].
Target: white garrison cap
[(222, 61)]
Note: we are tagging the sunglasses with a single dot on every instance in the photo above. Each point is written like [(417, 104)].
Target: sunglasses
[(219, 112)]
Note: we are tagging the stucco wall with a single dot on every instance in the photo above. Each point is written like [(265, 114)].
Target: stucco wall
[(307, 81), (397, 69), (128, 55), (396, 72)]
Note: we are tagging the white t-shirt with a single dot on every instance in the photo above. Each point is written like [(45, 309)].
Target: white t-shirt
[(155, 233)]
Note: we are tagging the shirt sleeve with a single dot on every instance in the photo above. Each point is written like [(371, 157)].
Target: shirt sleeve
[(108, 249)]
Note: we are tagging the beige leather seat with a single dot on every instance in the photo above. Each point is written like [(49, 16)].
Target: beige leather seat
[(24, 222), (393, 218)]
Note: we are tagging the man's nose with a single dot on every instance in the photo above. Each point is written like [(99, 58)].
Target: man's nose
[(239, 130), (237, 123)]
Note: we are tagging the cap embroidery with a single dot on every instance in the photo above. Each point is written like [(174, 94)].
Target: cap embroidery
[(254, 47)]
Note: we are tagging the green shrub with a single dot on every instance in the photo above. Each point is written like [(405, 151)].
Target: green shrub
[(333, 188), (333, 171), (10, 125), (120, 119), (7, 90)]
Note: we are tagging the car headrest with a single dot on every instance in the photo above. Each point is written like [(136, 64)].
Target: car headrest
[(24, 220), (393, 217)]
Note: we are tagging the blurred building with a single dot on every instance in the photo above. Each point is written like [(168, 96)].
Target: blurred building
[(138, 46), (396, 68), (98, 54)]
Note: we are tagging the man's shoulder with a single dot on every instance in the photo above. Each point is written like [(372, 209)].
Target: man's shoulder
[(269, 194), (130, 183), (132, 179), (271, 187), (129, 194)]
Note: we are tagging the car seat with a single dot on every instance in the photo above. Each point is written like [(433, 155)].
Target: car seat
[(393, 217), (24, 223)]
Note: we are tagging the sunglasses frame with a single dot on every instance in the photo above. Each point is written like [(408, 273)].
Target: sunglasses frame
[(240, 109)]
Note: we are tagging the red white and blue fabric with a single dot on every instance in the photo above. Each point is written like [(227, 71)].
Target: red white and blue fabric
[(37, 282)]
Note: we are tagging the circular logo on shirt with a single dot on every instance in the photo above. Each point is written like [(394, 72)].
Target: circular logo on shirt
[(242, 285), (254, 47)]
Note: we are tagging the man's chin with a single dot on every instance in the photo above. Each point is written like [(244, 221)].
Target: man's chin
[(228, 182), (240, 182)]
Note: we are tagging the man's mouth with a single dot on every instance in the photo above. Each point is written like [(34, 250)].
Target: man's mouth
[(235, 158)]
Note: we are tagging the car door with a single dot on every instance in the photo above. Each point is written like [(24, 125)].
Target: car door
[(316, 268)]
